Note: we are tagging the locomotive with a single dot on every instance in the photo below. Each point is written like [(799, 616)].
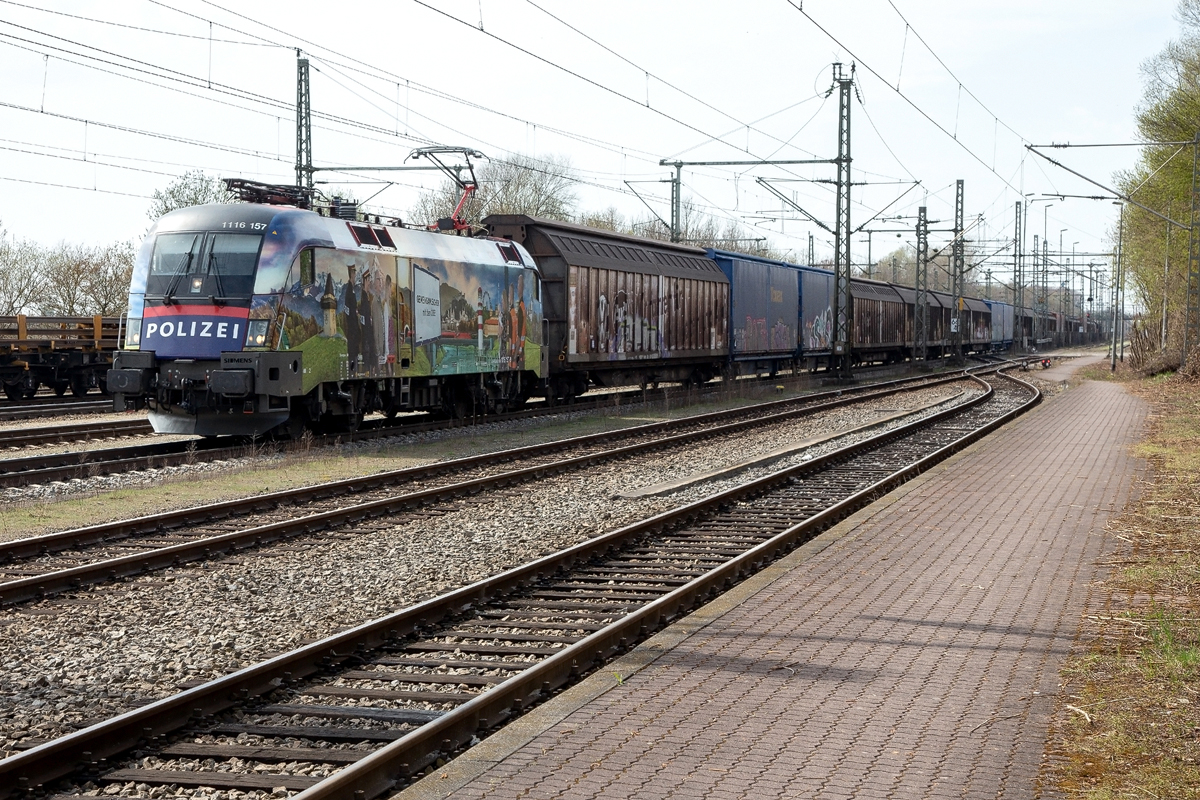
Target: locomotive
[(246, 319), (251, 319)]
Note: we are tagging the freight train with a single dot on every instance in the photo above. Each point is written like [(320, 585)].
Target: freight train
[(252, 319)]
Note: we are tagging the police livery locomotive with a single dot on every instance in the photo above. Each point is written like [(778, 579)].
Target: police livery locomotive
[(244, 319)]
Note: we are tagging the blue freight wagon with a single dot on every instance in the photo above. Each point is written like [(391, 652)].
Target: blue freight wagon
[(778, 313)]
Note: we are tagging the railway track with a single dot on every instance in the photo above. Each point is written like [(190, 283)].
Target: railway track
[(41, 407), (448, 670), (64, 466), (45, 565), (79, 432)]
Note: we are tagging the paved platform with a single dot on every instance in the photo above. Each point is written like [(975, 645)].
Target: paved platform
[(910, 652), (1067, 364)]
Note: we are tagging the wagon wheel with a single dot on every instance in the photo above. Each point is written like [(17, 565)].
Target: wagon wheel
[(60, 387), (79, 385), (14, 391)]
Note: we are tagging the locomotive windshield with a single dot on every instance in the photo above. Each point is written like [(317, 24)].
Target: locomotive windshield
[(208, 265), (233, 254), (175, 253)]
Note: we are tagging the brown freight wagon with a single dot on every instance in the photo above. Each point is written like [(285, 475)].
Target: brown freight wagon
[(621, 310), (880, 330)]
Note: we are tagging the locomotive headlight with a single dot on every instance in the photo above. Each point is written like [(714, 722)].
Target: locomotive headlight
[(133, 333), (256, 332)]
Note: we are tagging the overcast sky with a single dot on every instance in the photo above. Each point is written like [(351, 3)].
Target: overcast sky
[(102, 103)]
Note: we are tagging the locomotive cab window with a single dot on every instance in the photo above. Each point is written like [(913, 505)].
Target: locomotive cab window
[(175, 254), (233, 254), (304, 270), (216, 265)]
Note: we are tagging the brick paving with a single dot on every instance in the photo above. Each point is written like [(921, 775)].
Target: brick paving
[(910, 652)]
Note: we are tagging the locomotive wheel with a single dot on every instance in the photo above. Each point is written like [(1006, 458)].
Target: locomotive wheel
[(341, 423), (293, 429)]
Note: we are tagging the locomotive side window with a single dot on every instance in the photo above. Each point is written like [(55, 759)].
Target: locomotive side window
[(307, 272), (385, 238), (510, 253)]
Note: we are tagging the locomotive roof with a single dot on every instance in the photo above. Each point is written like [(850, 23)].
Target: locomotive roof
[(303, 228), (212, 215), (582, 246)]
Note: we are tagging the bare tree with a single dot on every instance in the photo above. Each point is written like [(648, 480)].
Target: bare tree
[(700, 229), (609, 219), (515, 185), (18, 274), (194, 188), (108, 285), (66, 272), (64, 280)]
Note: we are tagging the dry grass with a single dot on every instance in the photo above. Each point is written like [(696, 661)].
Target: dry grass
[(1128, 723)]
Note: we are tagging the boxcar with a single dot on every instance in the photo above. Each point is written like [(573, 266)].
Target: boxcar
[(1002, 325), (880, 326), (977, 321), (621, 309), (764, 310), (816, 310)]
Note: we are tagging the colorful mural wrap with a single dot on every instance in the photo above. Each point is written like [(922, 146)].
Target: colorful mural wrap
[(473, 318), (358, 314), (338, 310)]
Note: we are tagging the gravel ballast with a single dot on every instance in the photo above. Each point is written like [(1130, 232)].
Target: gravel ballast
[(72, 662)]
